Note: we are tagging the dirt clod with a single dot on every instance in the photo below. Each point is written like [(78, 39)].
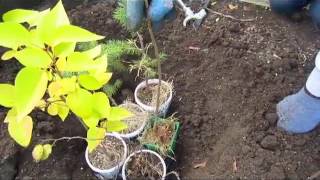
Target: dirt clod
[(276, 172), (270, 142), (272, 118)]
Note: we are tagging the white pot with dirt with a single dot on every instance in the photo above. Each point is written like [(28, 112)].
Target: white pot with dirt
[(144, 164), (108, 158), (145, 96), (136, 123)]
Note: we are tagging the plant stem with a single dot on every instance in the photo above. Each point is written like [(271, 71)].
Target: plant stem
[(156, 52), (144, 52), (68, 139)]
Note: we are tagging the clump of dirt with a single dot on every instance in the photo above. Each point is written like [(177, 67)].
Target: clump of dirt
[(108, 154), (139, 118), (148, 95), (144, 165)]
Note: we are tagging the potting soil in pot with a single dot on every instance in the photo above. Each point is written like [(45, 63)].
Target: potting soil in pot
[(136, 121), (148, 95), (108, 154), (144, 166)]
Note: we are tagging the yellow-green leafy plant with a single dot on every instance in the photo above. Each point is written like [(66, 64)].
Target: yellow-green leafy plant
[(55, 77)]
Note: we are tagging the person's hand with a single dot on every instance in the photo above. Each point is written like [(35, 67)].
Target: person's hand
[(158, 11), (288, 7), (315, 12)]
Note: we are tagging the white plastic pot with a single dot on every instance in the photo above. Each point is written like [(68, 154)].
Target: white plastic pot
[(164, 167), (135, 133), (163, 109), (114, 171)]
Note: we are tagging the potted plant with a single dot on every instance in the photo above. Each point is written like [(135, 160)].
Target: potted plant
[(58, 79), (146, 92), (136, 123), (108, 158), (153, 95), (144, 164), (161, 135)]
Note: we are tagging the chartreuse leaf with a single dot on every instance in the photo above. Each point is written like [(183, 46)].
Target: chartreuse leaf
[(116, 126), (41, 105), (100, 64), (41, 152), (19, 15), (118, 114), (94, 137), (71, 33), (8, 55), (63, 111), (52, 20), (37, 19), (47, 149), (77, 62), (37, 152), (61, 64), (58, 108), (36, 39), (80, 102), (13, 35), (30, 86), (64, 49), (53, 109), (21, 131), (33, 57), (11, 115), (101, 104), (6, 95), (62, 87), (94, 81), (94, 52), (92, 120)]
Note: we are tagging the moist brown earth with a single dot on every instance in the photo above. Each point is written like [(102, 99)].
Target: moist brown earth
[(228, 77)]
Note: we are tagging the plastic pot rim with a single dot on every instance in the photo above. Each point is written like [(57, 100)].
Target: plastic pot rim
[(136, 132), (163, 107)]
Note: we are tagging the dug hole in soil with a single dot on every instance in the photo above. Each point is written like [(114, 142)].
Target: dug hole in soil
[(228, 77)]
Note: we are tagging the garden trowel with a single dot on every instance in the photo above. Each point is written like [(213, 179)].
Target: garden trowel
[(190, 15), (197, 23)]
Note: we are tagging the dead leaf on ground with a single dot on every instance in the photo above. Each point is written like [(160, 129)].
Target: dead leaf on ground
[(233, 7), (200, 165), (235, 166)]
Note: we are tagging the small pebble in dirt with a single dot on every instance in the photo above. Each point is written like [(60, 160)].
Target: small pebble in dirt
[(271, 117), (300, 142), (235, 27), (270, 142), (245, 149)]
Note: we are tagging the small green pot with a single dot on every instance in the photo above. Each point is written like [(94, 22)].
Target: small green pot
[(173, 141)]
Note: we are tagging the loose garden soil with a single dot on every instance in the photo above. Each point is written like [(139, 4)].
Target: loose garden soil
[(228, 77)]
